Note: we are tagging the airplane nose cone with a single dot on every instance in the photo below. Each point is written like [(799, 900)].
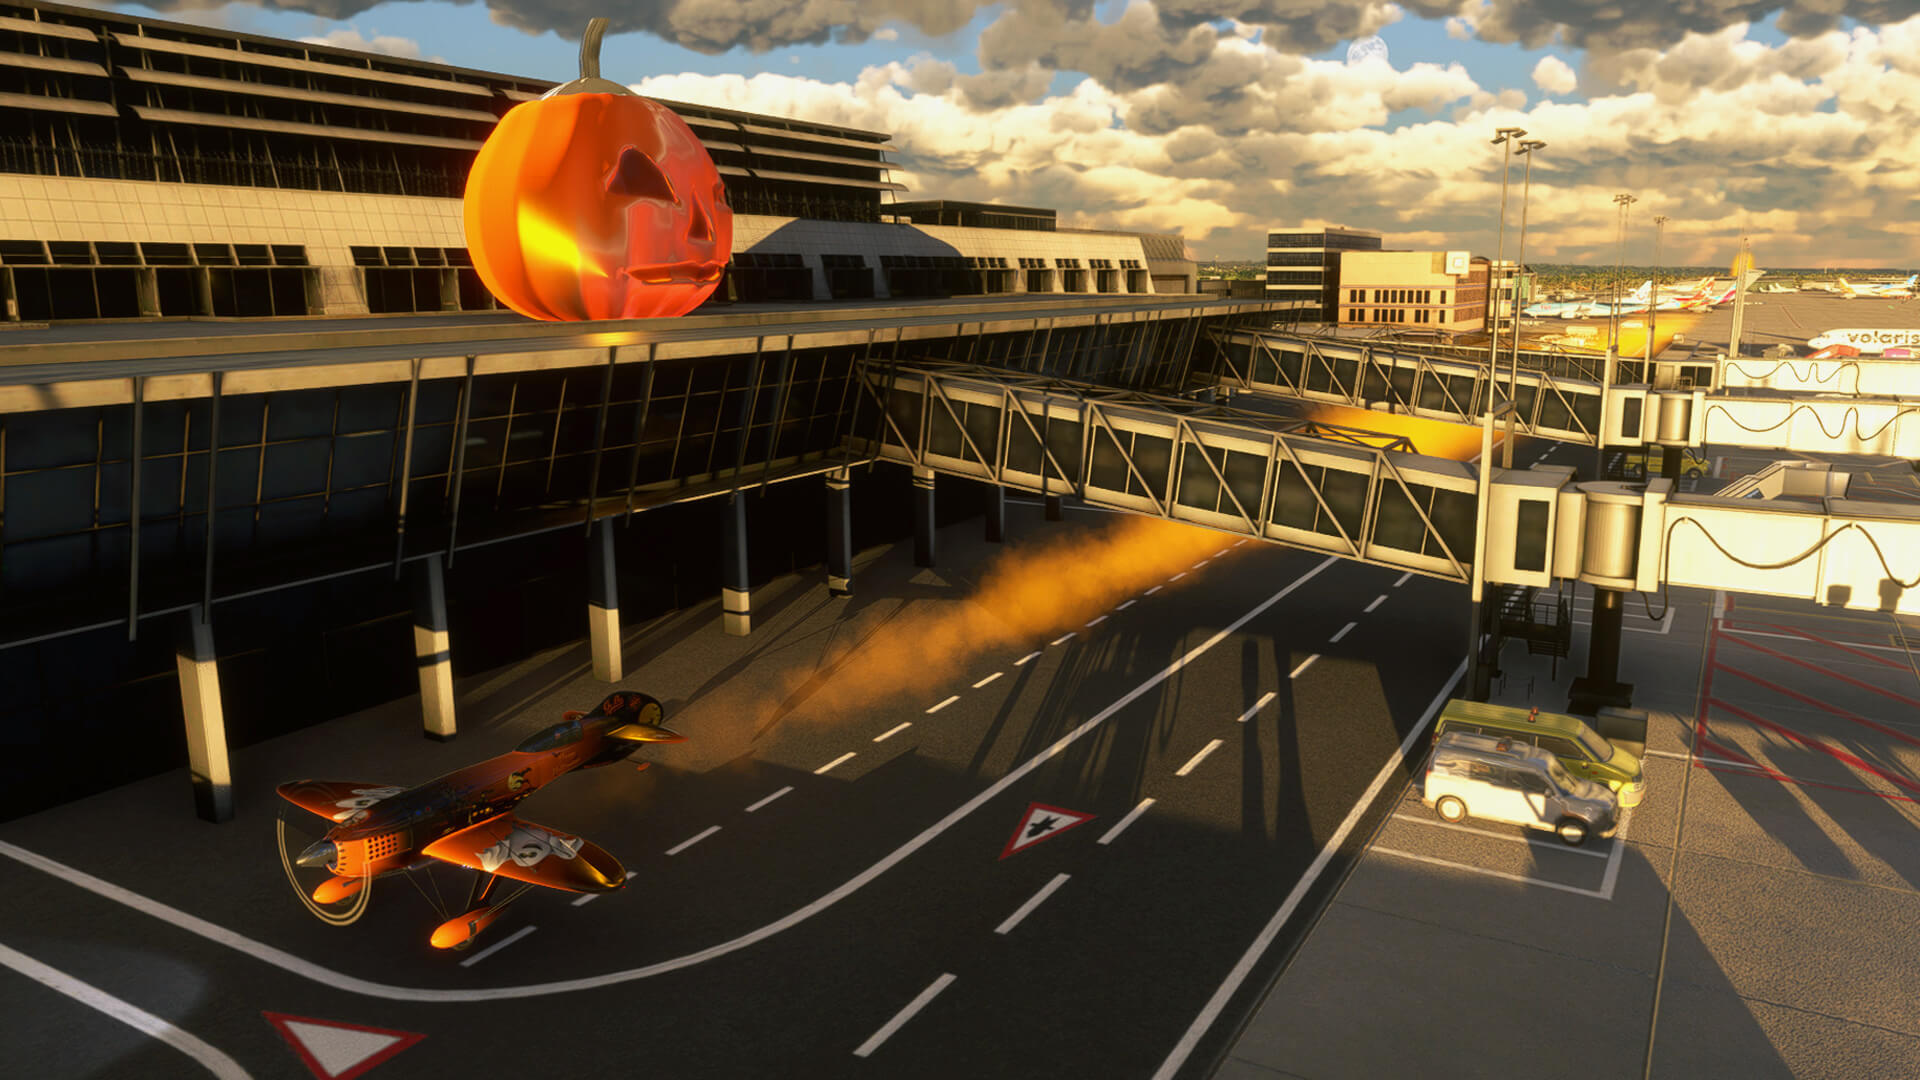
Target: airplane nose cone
[(319, 854)]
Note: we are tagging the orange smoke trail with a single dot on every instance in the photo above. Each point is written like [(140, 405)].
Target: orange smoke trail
[(1434, 438), (1038, 589)]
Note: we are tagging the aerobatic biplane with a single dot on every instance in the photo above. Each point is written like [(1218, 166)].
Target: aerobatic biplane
[(466, 818)]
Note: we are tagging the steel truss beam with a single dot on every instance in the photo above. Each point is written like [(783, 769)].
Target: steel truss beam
[(1332, 479), (1364, 374)]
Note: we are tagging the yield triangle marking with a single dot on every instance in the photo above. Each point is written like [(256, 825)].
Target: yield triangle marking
[(1042, 822), (339, 1051)]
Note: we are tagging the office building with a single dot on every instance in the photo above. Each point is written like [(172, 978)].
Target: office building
[(1424, 290), (1304, 266)]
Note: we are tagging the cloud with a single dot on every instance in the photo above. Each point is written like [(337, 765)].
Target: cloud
[(1553, 75), (1810, 146), (386, 44), (886, 33)]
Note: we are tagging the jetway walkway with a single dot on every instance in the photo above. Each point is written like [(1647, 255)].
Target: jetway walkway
[(1374, 499), (1764, 403)]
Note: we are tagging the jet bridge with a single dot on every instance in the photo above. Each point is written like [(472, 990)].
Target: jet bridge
[(1571, 398), (1792, 531)]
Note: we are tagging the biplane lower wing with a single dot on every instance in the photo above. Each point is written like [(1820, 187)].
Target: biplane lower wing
[(535, 854), (335, 800)]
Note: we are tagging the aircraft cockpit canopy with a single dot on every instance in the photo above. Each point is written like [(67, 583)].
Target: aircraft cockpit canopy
[(560, 734)]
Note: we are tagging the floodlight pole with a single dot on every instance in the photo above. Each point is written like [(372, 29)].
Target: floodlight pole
[(1506, 137), (1519, 267), (1623, 201)]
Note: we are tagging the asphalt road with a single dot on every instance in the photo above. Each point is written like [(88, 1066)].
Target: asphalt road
[(791, 904)]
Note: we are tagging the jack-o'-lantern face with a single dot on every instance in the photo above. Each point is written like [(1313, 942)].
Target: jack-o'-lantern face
[(596, 203)]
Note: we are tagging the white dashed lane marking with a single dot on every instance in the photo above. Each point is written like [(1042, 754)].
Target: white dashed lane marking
[(1257, 706), (1198, 758), (1064, 638), (1377, 601), (900, 1018), (497, 946), (841, 760), (769, 798), (1343, 632), (891, 733), (1035, 901), (987, 680), (1097, 620), (943, 704), (697, 837), (1131, 817), (1403, 579), (1304, 665), (1026, 658), (1127, 605)]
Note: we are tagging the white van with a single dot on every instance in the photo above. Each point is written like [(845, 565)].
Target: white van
[(1516, 782)]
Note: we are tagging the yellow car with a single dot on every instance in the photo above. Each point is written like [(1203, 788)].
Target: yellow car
[(1634, 464)]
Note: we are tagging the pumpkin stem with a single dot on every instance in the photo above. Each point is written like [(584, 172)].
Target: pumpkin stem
[(590, 48)]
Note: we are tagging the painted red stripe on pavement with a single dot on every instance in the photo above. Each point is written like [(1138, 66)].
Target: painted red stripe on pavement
[(1728, 752), (1815, 744), (1818, 704), (1769, 774), (1843, 647), (1848, 679)]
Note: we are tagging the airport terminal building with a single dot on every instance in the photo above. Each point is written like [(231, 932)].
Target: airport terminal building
[(259, 414), (156, 169)]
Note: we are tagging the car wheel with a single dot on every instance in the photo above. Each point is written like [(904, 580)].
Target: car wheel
[(1573, 831), (1451, 809)]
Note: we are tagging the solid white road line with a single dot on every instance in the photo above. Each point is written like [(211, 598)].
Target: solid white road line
[(1377, 601), (1404, 578), (592, 896), (987, 680), (1343, 632), (841, 760), (326, 976), (697, 837), (1197, 758), (1097, 620), (1026, 658), (1211, 1011), (1550, 845), (769, 798), (900, 1018), (1121, 827), (1257, 706), (217, 1063), (1178, 576), (1034, 901), (1304, 665), (1153, 590), (497, 946), (942, 705), (891, 732), (1127, 605), (1063, 639)]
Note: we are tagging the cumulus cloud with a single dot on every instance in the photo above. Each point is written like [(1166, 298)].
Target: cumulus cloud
[(1553, 75), (1832, 160), (886, 33), (386, 44)]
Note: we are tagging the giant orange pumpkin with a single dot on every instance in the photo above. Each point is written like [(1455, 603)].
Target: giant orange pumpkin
[(596, 203)]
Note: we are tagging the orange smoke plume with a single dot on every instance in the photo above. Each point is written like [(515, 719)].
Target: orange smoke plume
[(1434, 438), (1038, 589)]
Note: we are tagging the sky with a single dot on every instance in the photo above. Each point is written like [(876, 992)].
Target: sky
[(1794, 125)]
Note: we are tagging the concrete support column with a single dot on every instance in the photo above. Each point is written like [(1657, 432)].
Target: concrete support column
[(736, 602), (840, 532), (603, 603), (146, 289), (923, 524), (432, 654), (1053, 508), (206, 723), (203, 290), (1602, 686), (997, 515), (449, 289)]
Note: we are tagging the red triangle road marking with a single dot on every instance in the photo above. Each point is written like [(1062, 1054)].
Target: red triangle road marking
[(339, 1051), (1042, 822)]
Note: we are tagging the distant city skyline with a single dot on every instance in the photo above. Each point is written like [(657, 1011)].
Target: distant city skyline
[(1222, 119)]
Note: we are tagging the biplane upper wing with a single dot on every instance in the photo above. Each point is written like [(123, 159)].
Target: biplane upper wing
[(535, 854), (336, 800)]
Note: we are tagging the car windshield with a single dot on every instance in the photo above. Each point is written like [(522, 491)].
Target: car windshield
[(1601, 749), (1561, 777)]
